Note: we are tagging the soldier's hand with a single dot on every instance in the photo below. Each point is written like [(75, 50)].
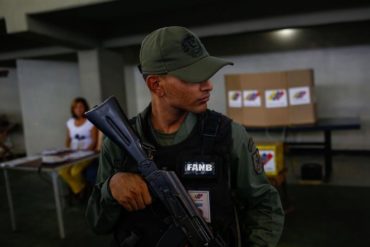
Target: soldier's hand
[(130, 190)]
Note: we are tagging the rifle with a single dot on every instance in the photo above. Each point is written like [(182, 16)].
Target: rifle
[(164, 185)]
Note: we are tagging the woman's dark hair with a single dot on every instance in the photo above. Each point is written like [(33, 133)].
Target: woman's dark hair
[(83, 102)]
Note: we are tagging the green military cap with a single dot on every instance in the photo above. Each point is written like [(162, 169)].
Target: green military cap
[(179, 52)]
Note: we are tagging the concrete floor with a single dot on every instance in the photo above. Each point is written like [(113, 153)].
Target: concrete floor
[(332, 214)]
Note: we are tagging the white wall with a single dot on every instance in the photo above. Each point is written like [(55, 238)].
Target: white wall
[(112, 76), (10, 106), (138, 96), (101, 75), (46, 91), (341, 77)]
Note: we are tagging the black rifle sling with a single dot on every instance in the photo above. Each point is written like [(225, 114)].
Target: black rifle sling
[(209, 129), (148, 148)]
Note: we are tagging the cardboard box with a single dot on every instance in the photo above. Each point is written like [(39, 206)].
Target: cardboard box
[(271, 99), (272, 155)]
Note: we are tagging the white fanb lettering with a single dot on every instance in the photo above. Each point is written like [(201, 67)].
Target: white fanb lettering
[(199, 167), (188, 166), (195, 167)]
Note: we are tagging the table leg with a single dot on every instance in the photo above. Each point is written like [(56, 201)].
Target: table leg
[(62, 194), (54, 177), (328, 154), (10, 200)]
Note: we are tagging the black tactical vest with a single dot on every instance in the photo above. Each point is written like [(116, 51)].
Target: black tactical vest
[(202, 163)]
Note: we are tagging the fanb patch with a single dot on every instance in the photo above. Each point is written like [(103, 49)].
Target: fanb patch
[(257, 162), (199, 167), (192, 46), (206, 169)]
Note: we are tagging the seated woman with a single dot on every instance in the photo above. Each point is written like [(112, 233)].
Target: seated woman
[(81, 135)]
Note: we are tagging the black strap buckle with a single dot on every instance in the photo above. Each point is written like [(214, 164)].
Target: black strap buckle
[(149, 149)]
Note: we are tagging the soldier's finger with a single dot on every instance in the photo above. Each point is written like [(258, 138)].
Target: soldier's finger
[(140, 201), (146, 195), (133, 202), (127, 206)]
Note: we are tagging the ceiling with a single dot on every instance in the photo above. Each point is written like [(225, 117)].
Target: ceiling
[(118, 19)]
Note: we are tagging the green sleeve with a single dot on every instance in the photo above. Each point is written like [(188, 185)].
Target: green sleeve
[(103, 211), (262, 215)]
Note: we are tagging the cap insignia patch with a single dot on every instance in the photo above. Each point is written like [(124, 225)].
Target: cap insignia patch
[(192, 46)]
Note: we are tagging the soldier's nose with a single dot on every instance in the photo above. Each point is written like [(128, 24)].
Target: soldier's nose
[(206, 85)]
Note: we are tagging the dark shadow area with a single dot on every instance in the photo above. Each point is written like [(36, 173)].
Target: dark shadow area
[(118, 18), (327, 216), (321, 215), (270, 41), (36, 216)]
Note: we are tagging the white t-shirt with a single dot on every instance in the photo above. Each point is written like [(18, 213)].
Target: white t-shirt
[(80, 135)]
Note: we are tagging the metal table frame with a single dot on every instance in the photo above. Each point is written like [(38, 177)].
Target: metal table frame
[(53, 171), (325, 125)]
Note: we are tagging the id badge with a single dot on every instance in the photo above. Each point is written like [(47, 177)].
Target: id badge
[(202, 202)]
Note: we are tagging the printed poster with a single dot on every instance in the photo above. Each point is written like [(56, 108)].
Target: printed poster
[(251, 98), (235, 99), (268, 160), (276, 98), (299, 96)]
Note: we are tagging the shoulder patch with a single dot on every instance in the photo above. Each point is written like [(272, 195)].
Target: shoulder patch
[(256, 157), (257, 162)]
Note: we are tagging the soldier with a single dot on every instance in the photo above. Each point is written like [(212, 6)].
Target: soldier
[(215, 158)]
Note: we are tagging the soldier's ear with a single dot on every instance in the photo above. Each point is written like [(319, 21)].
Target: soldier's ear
[(154, 84)]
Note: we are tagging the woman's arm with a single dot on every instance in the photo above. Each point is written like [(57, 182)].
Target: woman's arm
[(100, 141), (94, 138), (68, 139)]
